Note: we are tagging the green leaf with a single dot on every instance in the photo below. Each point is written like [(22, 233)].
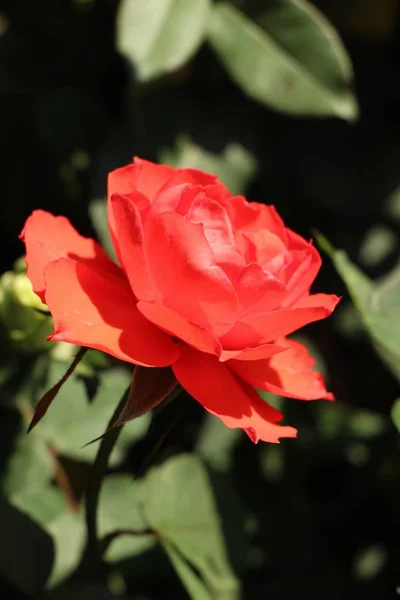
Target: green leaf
[(119, 510), (158, 37), (192, 582), (178, 503), (235, 167), (377, 303), (26, 550), (73, 421), (395, 414), (47, 507), (29, 468), (292, 61)]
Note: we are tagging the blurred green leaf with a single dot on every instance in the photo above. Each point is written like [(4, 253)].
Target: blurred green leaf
[(47, 507), (395, 413), (178, 504), (73, 421), (377, 303), (30, 466), (291, 60), (25, 560), (378, 244), (119, 510), (235, 167), (216, 443), (158, 37)]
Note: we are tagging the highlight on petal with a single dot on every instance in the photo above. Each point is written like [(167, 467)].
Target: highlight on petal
[(181, 264), (178, 326), (48, 238), (129, 233), (236, 403), (258, 290), (93, 311), (289, 373)]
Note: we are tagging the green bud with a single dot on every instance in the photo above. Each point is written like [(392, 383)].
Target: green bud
[(22, 314)]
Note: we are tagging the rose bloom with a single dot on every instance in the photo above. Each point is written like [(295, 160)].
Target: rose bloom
[(207, 283)]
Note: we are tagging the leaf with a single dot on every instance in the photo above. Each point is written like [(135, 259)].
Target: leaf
[(158, 37), (74, 421), (26, 550), (293, 61), (47, 507), (149, 388), (178, 503), (235, 167), (45, 401), (119, 510), (192, 582), (29, 468), (377, 303), (395, 414)]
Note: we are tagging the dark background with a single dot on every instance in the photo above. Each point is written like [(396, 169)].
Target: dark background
[(70, 111)]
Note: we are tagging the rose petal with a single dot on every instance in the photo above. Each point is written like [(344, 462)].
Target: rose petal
[(304, 273), (91, 310), (265, 327), (221, 393), (289, 373), (49, 238), (192, 176), (140, 176), (174, 324), (258, 291), (181, 263), (129, 232), (251, 216), (257, 353)]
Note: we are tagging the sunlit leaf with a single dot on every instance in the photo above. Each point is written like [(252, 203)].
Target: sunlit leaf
[(178, 504), (119, 510), (377, 303), (158, 37), (73, 421), (48, 507), (292, 59)]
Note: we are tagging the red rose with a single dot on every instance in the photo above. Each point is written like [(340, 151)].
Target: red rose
[(209, 283)]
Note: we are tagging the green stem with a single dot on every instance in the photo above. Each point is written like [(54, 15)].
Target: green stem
[(99, 470)]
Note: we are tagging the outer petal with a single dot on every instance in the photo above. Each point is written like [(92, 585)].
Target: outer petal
[(142, 176), (266, 327), (174, 324), (306, 272), (221, 393), (91, 310), (181, 263), (256, 353), (49, 238), (289, 373), (129, 232)]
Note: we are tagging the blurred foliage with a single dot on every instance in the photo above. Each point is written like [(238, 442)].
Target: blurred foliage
[(191, 508)]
